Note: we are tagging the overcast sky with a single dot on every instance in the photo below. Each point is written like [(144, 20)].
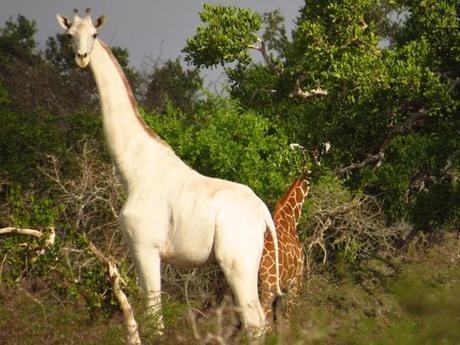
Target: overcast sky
[(149, 29)]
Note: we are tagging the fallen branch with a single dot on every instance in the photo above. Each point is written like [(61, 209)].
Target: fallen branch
[(32, 232), (115, 280)]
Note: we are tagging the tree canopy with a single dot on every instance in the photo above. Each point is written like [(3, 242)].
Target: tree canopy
[(389, 108)]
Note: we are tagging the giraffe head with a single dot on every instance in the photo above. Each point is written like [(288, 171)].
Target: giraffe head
[(82, 33)]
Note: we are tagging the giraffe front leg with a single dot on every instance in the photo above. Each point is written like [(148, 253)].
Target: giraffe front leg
[(147, 261), (146, 257)]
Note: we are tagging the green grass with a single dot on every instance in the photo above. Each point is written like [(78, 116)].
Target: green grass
[(35, 319)]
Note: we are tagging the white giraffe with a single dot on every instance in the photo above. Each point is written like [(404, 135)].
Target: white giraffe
[(172, 213)]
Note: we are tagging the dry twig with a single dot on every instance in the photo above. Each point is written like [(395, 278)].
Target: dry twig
[(222, 333), (116, 280)]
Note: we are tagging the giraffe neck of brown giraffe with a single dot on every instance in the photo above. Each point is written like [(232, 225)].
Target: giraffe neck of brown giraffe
[(292, 201)]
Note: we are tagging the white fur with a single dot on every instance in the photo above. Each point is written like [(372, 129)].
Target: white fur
[(172, 213)]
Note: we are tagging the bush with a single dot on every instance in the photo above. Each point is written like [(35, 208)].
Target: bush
[(346, 227), (223, 140), (81, 206)]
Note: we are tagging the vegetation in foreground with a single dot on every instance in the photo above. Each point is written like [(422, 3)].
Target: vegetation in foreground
[(412, 300)]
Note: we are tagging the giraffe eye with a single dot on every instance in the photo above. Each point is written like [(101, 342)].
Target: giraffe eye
[(95, 35)]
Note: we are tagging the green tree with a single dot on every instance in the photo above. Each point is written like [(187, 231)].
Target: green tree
[(229, 31), (172, 83), (390, 113), (17, 39)]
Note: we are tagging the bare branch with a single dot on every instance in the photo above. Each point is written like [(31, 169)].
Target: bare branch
[(298, 92), (303, 95), (257, 91), (115, 280), (412, 121), (262, 48), (318, 237), (31, 232)]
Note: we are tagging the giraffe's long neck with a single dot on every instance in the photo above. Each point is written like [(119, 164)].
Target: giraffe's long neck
[(126, 133), (292, 201)]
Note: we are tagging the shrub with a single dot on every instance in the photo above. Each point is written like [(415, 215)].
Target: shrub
[(345, 226), (223, 140)]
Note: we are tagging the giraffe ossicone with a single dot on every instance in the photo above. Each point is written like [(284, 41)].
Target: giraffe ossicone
[(172, 213)]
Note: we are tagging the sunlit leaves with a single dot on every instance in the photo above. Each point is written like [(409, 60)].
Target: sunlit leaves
[(225, 37)]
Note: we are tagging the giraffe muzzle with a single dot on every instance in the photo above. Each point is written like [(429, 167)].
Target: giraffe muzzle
[(82, 60)]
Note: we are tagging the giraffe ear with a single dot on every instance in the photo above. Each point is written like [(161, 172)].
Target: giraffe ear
[(100, 21), (63, 21)]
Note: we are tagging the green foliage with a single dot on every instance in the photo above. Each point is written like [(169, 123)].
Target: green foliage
[(4, 98), (405, 185), (25, 139), (437, 22), (228, 33), (374, 96), (17, 39), (325, 31), (28, 139), (27, 257), (59, 52), (274, 33), (28, 212), (223, 140)]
